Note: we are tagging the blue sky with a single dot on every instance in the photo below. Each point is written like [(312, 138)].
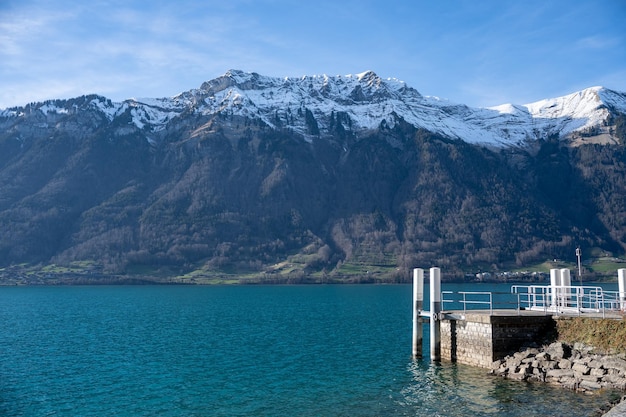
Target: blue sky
[(480, 53)]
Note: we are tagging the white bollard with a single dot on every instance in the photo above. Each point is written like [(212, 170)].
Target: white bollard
[(435, 308), (621, 282), (418, 305), (566, 281), (555, 283)]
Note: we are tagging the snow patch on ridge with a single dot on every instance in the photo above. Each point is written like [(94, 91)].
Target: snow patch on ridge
[(110, 109), (153, 113), (51, 108)]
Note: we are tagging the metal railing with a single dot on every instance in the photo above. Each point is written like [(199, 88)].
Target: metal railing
[(475, 300), (567, 299), (551, 300)]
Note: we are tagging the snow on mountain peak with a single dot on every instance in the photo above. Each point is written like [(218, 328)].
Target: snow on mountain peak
[(370, 79), (582, 111), (367, 75), (363, 102), (573, 105), (369, 102), (276, 100)]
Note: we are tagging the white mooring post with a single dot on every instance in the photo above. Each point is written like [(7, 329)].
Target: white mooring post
[(435, 308), (566, 281), (621, 282), (418, 305), (566, 277), (555, 283)]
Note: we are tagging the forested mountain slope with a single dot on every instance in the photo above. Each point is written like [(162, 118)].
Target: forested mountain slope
[(347, 177)]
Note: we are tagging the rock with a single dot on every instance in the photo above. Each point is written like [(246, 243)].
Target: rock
[(595, 363), (539, 375), (560, 373), (553, 381), (513, 364), (612, 377), (569, 383), (502, 370), (618, 411), (519, 355), (519, 376), (619, 384), (532, 352), (565, 364), (581, 369), (589, 384), (588, 378), (615, 363), (559, 350)]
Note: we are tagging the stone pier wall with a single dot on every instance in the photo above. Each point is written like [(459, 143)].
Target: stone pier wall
[(479, 339)]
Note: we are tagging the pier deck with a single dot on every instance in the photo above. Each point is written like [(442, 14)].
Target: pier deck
[(462, 314)]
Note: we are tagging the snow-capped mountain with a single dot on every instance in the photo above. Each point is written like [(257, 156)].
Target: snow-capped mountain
[(309, 106), (220, 180)]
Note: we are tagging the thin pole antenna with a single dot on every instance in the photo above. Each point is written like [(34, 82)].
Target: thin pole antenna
[(580, 269)]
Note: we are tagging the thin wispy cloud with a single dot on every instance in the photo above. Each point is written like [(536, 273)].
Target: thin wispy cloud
[(598, 42), (472, 53)]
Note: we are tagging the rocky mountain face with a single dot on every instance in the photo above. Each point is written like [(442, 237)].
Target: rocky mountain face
[(315, 178)]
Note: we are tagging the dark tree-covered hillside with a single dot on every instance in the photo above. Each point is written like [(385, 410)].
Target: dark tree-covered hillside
[(229, 195)]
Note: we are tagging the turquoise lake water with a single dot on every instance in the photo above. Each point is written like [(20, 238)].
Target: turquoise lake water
[(240, 351)]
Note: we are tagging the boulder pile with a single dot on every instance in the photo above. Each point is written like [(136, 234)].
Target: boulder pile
[(574, 367)]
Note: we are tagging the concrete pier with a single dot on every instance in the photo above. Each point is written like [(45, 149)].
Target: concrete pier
[(479, 338)]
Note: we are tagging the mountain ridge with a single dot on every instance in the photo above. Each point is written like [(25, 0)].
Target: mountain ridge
[(369, 101)]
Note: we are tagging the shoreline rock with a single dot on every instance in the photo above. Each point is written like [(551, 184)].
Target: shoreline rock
[(575, 367), (618, 409)]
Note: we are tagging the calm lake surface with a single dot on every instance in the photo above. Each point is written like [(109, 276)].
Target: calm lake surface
[(241, 351)]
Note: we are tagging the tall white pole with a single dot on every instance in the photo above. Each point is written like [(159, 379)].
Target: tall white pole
[(418, 305), (435, 308), (621, 282), (566, 281), (555, 282)]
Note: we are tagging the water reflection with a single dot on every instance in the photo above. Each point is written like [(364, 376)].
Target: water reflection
[(449, 390), (445, 389)]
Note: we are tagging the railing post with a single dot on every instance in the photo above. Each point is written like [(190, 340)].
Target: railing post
[(621, 282), (418, 305), (435, 308)]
